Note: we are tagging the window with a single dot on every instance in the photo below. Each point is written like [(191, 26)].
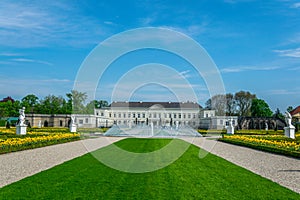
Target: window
[(114, 115), (109, 114), (189, 116), (129, 115), (170, 115), (124, 115), (80, 121), (144, 115), (86, 120), (133, 115), (174, 115), (139, 115), (102, 114), (119, 115), (97, 113), (221, 121), (194, 116), (183, 116), (154, 115), (60, 123), (179, 116), (206, 114)]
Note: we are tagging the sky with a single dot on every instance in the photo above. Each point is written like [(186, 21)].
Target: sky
[(255, 46)]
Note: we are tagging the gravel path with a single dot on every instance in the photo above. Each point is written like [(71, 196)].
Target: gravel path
[(18, 165), (280, 169)]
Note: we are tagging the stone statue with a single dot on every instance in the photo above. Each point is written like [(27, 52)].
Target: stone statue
[(72, 119), (288, 119), (266, 126), (22, 116)]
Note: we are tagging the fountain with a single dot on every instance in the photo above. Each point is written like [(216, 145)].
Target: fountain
[(151, 131)]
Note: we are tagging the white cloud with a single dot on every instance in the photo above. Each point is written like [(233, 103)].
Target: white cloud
[(30, 24), (247, 68), (284, 92), (296, 5), (8, 54), (289, 52), (31, 61)]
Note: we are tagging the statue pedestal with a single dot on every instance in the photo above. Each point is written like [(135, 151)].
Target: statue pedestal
[(230, 129), (73, 128), (21, 129), (289, 132)]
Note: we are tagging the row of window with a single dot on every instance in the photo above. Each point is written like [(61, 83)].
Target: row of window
[(124, 122), (152, 115)]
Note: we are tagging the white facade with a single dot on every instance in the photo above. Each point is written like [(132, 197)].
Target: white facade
[(160, 114)]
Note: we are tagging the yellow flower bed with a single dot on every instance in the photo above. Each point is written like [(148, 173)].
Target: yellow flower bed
[(30, 140), (9, 141), (281, 143)]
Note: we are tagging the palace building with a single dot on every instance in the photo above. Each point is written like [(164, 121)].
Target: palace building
[(159, 113), (163, 114)]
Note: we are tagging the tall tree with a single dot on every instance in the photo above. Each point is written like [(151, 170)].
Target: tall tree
[(217, 103), (230, 104), (243, 102), (52, 105), (259, 108), (77, 100), (30, 102)]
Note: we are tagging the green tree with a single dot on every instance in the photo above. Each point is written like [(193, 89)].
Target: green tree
[(101, 104), (243, 102), (278, 114), (259, 108), (289, 109), (30, 102), (52, 105), (76, 101), (9, 109)]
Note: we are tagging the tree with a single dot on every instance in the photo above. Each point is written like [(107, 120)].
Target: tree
[(278, 114), (289, 109), (77, 100), (30, 102), (52, 105), (259, 108), (243, 102), (101, 104), (217, 103), (9, 109), (230, 104)]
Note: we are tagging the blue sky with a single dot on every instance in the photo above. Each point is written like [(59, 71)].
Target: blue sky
[(255, 45)]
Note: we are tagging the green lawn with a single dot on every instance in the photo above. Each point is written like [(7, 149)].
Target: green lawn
[(187, 178)]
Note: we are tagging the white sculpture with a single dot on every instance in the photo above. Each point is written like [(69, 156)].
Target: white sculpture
[(40, 124), (21, 126), (22, 116), (73, 127), (72, 119), (230, 127), (288, 119), (289, 130), (266, 126)]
